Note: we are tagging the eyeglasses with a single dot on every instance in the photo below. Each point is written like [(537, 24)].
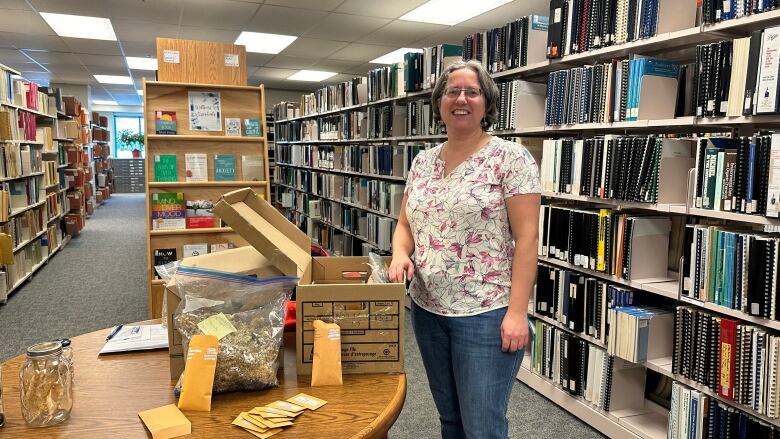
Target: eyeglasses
[(454, 92)]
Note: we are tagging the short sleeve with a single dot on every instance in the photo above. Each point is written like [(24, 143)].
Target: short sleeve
[(521, 174)]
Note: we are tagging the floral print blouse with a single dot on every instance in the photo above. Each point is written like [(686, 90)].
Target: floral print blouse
[(463, 244)]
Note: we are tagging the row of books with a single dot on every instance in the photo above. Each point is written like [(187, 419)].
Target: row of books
[(714, 11), (735, 175), (629, 246), (698, 415), (582, 25), (646, 169), (18, 125), (329, 98), (25, 260), (604, 381), (18, 160), (640, 333), (375, 195), (420, 70), (627, 90), (24, 227), (163, 256), (733, 268), (377, 159), (199, 167), (386, 82), (516, 44), (19, 91), (170, 211), (54, 204), (286, 110), (23, 193), (738, 361), (51, 174), (334, 241), (516, 94)]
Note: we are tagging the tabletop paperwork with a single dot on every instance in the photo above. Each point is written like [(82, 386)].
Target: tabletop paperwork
[(137, 338)]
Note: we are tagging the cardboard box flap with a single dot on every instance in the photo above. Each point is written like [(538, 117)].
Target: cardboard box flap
[(268, 231)]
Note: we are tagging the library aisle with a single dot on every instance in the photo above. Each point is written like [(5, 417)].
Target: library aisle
[(97, 281)]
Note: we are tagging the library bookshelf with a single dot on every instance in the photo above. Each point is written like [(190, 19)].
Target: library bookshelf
[(302, 156), (236, 102)]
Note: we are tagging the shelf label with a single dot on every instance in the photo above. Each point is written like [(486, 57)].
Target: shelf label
[(231, 60), (171, 56)]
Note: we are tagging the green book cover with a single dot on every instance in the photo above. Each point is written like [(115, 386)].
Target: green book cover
[(252, 128), (224, 167), (165, 167)]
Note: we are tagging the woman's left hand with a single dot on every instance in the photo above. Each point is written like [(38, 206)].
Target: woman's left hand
[(514, 331)]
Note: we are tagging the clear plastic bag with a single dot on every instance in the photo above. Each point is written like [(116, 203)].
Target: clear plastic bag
[(378, 269), (248, 357), (166, 272)]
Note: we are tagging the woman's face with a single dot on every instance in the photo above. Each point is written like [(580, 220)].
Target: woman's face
[(462, 105)]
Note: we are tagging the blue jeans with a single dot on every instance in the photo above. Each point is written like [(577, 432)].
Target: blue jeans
[(470, 377)]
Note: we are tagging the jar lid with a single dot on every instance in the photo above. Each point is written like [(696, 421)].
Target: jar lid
[(44, 349), (65, 342)]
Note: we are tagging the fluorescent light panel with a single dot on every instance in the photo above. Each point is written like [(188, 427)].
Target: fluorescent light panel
[(112, 79), (451, 12), (311, 75), (99, 102), (139, 63), (80, 26), (258, 42), (395, 56)]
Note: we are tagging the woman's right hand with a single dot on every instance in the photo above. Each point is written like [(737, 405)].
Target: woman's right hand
[(398, 266)]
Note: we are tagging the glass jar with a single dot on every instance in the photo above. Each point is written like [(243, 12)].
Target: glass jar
[(67, 353), (45, 385)]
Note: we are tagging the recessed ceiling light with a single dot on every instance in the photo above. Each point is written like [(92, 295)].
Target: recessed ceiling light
[(311, 75), (80, 26), (99, 102), (395, 56), (450, 12), (140, 92), (138, 63), (112, 79), (258, 42)]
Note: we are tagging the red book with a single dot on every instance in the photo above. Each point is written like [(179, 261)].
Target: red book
[(728, 346), (200, 222)]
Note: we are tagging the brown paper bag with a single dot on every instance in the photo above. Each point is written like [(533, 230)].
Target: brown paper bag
[(326, 366), (199, 373)]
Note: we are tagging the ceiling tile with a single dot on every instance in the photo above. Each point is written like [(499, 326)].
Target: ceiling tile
[(137, 48), (143, 31), (401, 33), (24, 22), (361, 69), (361, 52), (74, 78), (41, 78), (335, 65), (208, 34), (258, 59), (100, 70), (12, 56), (158, 11), (312, 47), (452, 35), (266, 73), (321, 5), (221, 14), (16, 4), (38, 42), (92, 8), (506, 13), (290, 62), (54, 57), (343, 27), (95, 47), (103, 60), (69, 70), (379, 8), (287, 21)]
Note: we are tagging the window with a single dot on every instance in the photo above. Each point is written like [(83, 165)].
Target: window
[(132, 123)]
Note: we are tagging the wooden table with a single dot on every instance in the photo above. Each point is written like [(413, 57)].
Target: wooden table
[(110, 390)]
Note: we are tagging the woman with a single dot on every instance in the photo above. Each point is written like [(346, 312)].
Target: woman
[(470, 217)]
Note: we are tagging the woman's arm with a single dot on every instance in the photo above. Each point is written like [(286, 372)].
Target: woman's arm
[(523, 213), (403, 247)]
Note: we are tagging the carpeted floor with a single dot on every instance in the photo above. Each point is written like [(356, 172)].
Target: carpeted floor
[(99, 280), (96, 281)]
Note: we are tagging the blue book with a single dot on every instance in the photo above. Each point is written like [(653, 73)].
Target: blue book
[(224, 167), (693, 412)]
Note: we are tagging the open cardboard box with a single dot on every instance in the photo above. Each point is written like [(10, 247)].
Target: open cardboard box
[(331, 288)]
